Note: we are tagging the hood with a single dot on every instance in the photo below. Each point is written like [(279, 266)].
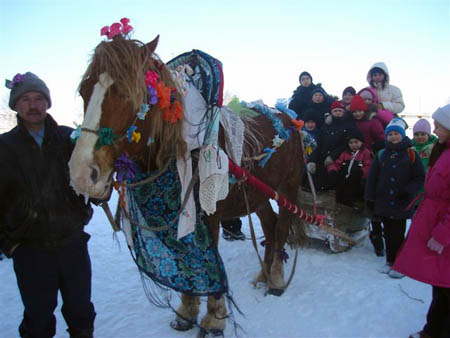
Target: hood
[(381, 65), (431, 139)]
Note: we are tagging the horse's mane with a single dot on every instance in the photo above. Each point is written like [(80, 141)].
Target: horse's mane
[(126, 61)]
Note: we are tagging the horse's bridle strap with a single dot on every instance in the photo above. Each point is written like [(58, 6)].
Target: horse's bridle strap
[(88, 130)]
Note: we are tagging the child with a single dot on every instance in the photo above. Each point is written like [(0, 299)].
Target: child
[(394, 178), (370, 97), (302, 95), (310, 132), (351, 170), (423, 141), (371, 129), (320, 103), (332, 142), (347, 96)]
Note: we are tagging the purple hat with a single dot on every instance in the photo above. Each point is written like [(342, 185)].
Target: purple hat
[(422, 126)]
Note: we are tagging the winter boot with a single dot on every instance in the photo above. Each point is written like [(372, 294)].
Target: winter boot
[(86, 333), (378, 244), (395, 274)]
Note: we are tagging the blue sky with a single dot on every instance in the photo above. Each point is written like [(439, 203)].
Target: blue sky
[(263, 45)]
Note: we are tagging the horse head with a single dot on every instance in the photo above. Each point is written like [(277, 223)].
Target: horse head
[(121, 116)]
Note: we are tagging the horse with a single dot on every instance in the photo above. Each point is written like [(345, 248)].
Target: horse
[(113, 89)]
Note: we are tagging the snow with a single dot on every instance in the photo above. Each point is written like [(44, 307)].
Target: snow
[(331, 295)]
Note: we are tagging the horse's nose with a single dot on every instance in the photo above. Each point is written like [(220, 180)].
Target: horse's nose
[(94, 175)]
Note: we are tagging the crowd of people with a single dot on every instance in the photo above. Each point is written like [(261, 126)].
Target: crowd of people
[(356, 146)]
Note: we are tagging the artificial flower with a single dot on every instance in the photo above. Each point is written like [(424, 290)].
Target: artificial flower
[(163, 95), (152, 95), (277, 141), (106, 136), (150, 141), (16, 80), (151, 78), (104, 31), (143, 111), (114, 30), (76, 133), (174, 113), (125, 167)]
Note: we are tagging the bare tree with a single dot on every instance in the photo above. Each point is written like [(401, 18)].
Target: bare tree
[(7, 116)]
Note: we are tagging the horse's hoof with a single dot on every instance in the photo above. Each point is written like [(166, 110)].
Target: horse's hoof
[(181, 324), (213, 333), (275, 292)]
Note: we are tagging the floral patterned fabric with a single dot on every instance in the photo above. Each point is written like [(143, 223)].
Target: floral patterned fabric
[(190, 265)]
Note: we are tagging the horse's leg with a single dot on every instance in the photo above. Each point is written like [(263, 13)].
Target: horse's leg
[(268, 219), (214, 321), (187, 313)]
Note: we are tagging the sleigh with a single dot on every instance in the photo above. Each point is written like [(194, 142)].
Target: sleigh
[(344, 219)]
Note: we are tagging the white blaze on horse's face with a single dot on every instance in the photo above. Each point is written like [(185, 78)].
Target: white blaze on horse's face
[(85, 175)]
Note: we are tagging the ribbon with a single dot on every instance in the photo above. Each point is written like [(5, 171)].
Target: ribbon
[(125, 167), (106, 136), (269, 152)]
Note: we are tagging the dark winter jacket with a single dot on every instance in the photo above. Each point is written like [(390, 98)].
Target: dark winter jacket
[(37, 205), (321, 110), (332, 141), (394, 180), (301, 98)]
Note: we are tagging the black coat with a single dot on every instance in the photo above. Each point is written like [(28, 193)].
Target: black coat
[(301, 98), (37, 205), (394, 181)]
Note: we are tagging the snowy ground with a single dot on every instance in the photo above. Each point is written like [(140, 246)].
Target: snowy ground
[(331, 295)]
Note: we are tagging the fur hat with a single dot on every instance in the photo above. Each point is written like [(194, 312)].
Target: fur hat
[(358, 103), (22, 84), (355, 133), (422, 126), (310, 115), (304, 73), (320, 90), (442, 115), (397, 124), (336, 105), (350, 90)]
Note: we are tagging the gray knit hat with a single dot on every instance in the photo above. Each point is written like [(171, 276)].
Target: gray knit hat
[(442, 115), (25, 83)]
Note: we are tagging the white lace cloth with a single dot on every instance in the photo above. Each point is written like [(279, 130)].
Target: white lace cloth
[(213, 174)]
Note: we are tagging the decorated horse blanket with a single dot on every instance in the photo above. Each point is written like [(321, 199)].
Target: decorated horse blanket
[(191, 264)]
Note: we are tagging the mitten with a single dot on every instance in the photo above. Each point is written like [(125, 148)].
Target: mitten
[(311, 167), (328, 161), (328, 119)]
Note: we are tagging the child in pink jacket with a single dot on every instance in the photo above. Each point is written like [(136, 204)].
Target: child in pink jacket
[(425, 255), (350, 171)]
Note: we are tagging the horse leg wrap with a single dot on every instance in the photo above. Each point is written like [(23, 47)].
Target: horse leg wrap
[(215, 316), (187, 313)]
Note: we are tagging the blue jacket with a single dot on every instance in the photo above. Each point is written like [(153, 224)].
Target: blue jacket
[(393, 181)]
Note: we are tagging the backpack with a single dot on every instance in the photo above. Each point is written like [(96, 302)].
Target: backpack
[(207, 76), (411, 154)]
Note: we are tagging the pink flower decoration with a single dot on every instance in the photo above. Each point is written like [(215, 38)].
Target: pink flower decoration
[(104, 31), (126, 29), (151, 78), (114, 30), (125, 21)]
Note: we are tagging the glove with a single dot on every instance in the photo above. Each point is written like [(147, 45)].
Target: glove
[(434, 245), (402, 195), (311, 167), (328, 161), (328, 119), (370, 205)]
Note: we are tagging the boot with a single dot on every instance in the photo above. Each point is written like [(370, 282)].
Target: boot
[(84, 333), (378, 244)]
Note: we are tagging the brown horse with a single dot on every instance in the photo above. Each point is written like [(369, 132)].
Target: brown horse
[(113, 89)]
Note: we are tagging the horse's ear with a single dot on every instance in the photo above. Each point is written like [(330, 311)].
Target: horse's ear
[(151, 46)]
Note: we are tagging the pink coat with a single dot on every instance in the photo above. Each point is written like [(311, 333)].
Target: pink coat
[(432, 219), (372, 131)]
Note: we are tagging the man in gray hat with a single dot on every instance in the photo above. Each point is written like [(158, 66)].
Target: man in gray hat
[(41, 218)]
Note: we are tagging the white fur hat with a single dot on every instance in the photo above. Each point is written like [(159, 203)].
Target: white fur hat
[(442, 115)]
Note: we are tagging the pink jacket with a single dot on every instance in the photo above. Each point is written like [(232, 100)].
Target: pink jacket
[(364, 156), (372, 131), (432, 219), (384, 115)]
